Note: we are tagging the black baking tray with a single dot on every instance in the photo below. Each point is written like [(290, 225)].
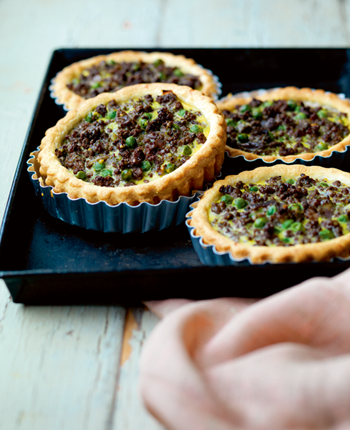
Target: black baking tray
[(45, 261)]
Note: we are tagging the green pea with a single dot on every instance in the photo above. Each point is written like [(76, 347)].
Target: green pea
[(240, 203), (176, 126), (324, 184), (158, 62), (143, 123), (89, 117), (227, 199), (111, 114), (95, 85), (245, 108), (267, 103), (178, 73), (322, 113), (81, 175), (136, 66), (170, 167), (131, 142), (146, 165), (297, 207), (182, 112), (290, 181), (243, 138), (260, 222), (300, 115), (326, 235), (291, 104), (297, 226), (187, 150), (99, 166), (286, 224), (256, 113), (126, 174), (196, 129), (230, 122), (111, 63), (322, 146), (106, 172), (148, 115), (253, 189), (343, 218), (271, 210)]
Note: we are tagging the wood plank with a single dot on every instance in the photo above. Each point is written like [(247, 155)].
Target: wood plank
[(129, 413), (58, 365), (256, 23)]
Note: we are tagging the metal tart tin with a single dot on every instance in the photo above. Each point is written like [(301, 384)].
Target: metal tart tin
[(101, 216), (210, 256), (65, 109), (233, 165)]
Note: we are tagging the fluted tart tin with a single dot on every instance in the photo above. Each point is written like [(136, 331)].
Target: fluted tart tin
[(100, 216)]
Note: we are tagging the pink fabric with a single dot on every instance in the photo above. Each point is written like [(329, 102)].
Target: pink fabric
[(282, 362)]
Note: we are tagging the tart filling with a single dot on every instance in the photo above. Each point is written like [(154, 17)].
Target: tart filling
[(135, 142), (108, 76), (143, 143), (287, 124), (107, 73), (277, 214), (282, 211), (284, 127)]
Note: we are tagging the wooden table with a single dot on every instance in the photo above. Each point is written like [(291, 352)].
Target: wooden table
[(76, 367)]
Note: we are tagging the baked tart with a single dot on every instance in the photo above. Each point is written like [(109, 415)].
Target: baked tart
[(108, 73), (286, 124), (277, 214), (144, 143)]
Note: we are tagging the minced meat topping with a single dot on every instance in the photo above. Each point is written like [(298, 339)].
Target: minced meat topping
[(110, 76), (134, 142), (281, 127), (282, 211)]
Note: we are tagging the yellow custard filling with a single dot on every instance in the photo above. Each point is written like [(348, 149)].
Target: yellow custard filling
[(282, 211)]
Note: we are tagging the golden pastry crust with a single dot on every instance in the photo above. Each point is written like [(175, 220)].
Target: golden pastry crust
[(322, 251), (72, 101), (292, 93), (202, 167)]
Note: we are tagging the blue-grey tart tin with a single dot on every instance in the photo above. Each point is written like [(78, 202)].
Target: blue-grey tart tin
[(101, 216), (233, 165)]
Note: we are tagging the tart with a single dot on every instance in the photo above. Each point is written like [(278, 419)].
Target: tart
[(286, 124), (144, 143), (108, 73), (277, 214)]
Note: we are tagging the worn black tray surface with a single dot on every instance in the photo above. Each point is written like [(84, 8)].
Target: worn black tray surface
[(56, 263)]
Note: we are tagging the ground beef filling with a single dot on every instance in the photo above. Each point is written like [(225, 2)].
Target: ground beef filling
[(135, 142), (282, 212), (281, 127), (110, 76)]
